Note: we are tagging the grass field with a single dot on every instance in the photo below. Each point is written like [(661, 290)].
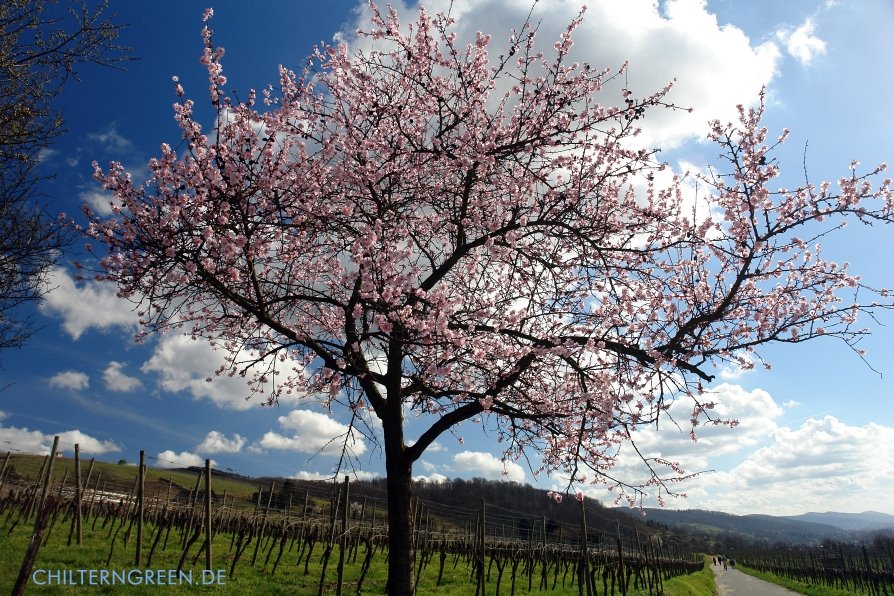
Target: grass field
[(290, 578), (121, 477), (111, 549)]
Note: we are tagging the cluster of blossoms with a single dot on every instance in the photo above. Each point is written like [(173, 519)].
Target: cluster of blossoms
[(425, 226)]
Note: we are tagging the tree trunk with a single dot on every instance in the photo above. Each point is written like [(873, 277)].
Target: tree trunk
[(399, 468)]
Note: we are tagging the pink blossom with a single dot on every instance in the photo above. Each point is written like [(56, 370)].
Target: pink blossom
[(409, 239)]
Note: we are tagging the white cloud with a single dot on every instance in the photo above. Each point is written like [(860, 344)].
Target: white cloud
[(116, 380), (87, 444), (112, 140), (184, 459), (46, 155), (764, 467), (35, 441), (755, 411), (312, 432), (70, 379), (186, 365), (304, 475), (87, 305), (99, 200), (360, 475), (355, 475), (734, 370), (435, 447), (819, 466), (432, 478), (791, 403), (801, 42), (216, 442), (485, 465), (428, 466), (716, 65)]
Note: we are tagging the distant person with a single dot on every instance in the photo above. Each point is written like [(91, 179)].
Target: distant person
[(725, 562), (732, 563), (714, 559)]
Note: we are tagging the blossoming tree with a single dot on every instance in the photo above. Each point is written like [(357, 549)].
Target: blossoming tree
[(425, 228)]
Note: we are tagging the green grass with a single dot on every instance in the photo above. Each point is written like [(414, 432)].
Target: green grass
[(700, 583), (289, 578), (121, 477), (798, 586)]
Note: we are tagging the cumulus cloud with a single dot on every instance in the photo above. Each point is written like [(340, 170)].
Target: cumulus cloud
[(86, 443), (428, 466), (312, 432), (86, 305), (35, 441), (819, 466), (755, 411), (184, 459), (801, 43), (716, 65), (733, 371), (355, 475), (116, 380), (435, 447), (100, 201), (70, 379), (216, 442), (431, 478), (304, 475), (186, 365), (485, 465)]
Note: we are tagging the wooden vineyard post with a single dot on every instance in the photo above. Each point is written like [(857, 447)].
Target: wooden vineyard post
[(583, 573), (254, 556), (343, 541), (328, 552), (140, 486), (32, 503), (42, 513), (3, 471), (622, 578), (78, 495), (480, 591), (193, 498), (96, 491), (86, 483), (544, 580), (208, 514)]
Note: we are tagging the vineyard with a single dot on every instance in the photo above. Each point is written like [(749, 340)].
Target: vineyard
[(314, 538), (861, 569)]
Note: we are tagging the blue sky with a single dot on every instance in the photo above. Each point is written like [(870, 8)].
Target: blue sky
[(817, 431)]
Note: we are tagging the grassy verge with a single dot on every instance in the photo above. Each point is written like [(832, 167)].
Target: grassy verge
[(700, 583), (798, 586)]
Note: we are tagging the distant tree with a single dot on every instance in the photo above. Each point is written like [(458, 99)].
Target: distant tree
[(428, 229), (41, 45)]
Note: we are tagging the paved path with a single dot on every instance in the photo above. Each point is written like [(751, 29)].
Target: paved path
[(733, 582)]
